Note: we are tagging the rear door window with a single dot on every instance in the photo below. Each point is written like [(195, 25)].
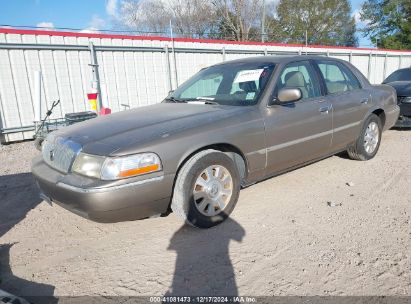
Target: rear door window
[(338, 78)]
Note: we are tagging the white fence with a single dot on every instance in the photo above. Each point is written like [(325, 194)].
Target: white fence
[(133, 71)]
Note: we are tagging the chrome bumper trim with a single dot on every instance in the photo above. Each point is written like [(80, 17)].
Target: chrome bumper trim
[(111, 188)]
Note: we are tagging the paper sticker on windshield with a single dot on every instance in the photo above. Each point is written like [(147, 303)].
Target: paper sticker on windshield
[(248, 75), (250, 96)]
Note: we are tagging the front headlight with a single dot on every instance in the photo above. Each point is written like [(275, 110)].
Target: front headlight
[(116, 168), (89, 165), (127, 166)]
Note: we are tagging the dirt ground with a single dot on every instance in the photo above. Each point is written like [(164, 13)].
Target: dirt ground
[(306, 232)]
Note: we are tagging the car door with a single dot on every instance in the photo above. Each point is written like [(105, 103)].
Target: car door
[(298, 131), (349, 101)]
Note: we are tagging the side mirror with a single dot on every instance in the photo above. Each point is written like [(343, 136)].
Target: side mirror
[(289, 95)]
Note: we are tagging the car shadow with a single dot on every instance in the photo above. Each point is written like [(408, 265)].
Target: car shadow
[(30, 291), (18, 195), (343, 155), (203, 265)]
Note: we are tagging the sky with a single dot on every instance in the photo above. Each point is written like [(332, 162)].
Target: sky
[(85, 15)]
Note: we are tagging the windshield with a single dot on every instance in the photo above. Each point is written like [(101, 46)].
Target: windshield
[(236, 84), (400, 75)]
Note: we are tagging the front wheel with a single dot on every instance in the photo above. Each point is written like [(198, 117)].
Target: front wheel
[(368, 143), (207, 189)]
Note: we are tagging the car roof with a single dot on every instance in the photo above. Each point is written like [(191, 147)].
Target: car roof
[(278, 59), (281, 59)]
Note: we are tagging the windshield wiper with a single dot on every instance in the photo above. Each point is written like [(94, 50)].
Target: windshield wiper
[(205, 101), (173, 99)]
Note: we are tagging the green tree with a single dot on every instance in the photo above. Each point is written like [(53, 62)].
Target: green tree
[(326, 22), (388, 23)]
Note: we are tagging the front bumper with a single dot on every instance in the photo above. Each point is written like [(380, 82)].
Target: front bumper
[(125, 200)]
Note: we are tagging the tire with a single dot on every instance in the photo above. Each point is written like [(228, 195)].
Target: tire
[(363, 149), (197, 196), (38, 143)]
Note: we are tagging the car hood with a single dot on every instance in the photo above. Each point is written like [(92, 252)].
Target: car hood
[(403, 88), (107, 134)]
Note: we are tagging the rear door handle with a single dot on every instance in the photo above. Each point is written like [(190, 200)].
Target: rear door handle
[(364, 100)]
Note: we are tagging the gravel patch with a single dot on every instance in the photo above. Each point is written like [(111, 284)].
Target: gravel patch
[(283, 237)]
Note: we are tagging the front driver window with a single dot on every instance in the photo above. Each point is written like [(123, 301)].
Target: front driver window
[(299, 75)]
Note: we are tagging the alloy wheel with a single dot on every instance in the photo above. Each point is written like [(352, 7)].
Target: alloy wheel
[(213, 190), (371, 137)]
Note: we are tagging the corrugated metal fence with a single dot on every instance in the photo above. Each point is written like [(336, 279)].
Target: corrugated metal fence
[(133, 71)]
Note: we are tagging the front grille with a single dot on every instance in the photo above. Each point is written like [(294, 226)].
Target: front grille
[(59, 153)]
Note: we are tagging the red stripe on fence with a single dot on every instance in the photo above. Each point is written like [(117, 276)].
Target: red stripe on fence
[(191, 40)]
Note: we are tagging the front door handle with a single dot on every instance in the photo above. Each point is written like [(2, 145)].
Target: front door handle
[(324, 110), (364, 100)]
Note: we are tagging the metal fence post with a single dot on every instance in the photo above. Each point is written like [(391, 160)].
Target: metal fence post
[(265, 52), (385, 66), (400, 62), (170, 83), (37, 97), (174, 61), (223, 52), (350, 58), (96, 76), (369, 67)]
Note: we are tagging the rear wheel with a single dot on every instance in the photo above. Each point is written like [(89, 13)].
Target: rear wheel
[(207, 189), (368, 143)]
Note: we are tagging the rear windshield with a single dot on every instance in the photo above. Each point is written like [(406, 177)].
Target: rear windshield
[(400, 75)]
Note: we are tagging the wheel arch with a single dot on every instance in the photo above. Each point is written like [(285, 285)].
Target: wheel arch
[(232, 151), (381, 114)]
